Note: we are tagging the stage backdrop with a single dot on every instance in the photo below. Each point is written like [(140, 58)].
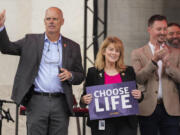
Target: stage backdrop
[(127, 19)]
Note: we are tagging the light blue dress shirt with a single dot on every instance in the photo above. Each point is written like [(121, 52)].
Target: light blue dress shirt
[(47, 79), (2, 28)]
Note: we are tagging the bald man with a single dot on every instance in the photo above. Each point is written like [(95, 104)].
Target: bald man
[(49, 65)]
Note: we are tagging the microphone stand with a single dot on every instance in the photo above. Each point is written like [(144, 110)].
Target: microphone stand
[(6, 115)]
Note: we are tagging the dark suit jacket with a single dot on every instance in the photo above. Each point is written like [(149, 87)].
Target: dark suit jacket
[(178, 87), (30, 51), (95, 77)]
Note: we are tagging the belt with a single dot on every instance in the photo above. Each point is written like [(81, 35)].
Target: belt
[(57, 94), (160, 101)]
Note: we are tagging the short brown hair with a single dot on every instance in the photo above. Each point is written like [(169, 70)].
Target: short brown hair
[(154, 18)]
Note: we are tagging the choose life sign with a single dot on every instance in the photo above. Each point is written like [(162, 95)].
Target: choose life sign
[(112, 100)]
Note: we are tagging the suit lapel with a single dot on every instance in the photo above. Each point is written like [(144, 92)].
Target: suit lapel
[(149, 55), (123, 76), (40, 45), (148, 52), (163, 66), (64, 52), (100, 77)]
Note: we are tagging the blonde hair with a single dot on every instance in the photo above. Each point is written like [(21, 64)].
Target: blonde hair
[(100, 58)]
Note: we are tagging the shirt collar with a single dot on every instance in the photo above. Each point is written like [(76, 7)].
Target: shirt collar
[(47, 40), (153, 47)]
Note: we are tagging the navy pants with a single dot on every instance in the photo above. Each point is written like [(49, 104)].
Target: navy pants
[(159, 122)]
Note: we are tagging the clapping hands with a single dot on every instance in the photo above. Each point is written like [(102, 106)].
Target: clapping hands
[(161, 54)]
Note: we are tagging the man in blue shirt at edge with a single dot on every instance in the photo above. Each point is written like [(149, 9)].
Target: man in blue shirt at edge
[(49, 65)]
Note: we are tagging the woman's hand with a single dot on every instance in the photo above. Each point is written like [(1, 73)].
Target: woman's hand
[(136, 94), (86, 99)]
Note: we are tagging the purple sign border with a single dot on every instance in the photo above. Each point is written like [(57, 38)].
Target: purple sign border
[(119, 110)]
